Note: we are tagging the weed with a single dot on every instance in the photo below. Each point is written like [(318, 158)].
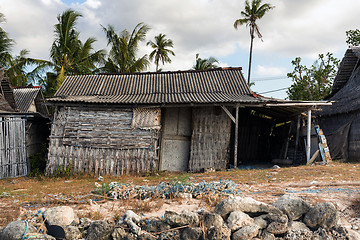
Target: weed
[(103, 189), (64, 172)]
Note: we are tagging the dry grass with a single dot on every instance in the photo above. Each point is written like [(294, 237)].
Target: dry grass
[(33, 193)]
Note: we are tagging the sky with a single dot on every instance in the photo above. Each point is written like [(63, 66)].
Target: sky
[(292, 29)]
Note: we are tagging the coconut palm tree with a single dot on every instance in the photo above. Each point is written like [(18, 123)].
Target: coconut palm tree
[(124, 47), (6, 44), (68, 54), (250, 15), (206, 63), (161, 51)]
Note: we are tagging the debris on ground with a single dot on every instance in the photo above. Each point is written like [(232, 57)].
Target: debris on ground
[(117, 190)]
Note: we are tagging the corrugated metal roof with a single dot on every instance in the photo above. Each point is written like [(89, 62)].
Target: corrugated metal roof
[(208, 86), (26, 96)]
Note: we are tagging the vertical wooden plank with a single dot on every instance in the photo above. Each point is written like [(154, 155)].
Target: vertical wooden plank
[(236, 144)]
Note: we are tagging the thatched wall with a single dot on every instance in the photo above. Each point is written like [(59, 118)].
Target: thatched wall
[(210, 141), (100, 141)]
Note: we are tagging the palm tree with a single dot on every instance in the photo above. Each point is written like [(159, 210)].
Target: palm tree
[(68, 54), (251, 14), (124, 47), (206, 63), (161, 51), (6, 44)]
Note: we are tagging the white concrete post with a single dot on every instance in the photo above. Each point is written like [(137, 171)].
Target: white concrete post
[(308, 142)]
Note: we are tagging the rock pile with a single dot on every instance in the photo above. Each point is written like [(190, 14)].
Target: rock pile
[(234, 218)]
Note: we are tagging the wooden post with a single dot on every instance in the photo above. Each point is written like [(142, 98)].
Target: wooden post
[(236, 136), (297, 138), (308, 144)]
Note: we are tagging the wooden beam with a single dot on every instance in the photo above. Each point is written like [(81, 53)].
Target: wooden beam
[(236, 136), (229, 113)]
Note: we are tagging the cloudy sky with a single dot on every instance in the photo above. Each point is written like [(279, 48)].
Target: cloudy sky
[(292, 29)]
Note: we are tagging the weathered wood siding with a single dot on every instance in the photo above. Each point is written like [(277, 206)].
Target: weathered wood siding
[(100, 141), (13, 162), (210, 141)]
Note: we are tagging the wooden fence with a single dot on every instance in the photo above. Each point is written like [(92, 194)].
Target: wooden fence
[(13, 161)]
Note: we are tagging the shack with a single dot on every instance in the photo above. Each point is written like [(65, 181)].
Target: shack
[(19, 138), (341, 121), (176, 121)]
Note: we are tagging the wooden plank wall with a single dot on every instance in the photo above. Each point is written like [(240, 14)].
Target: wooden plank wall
[(13, 161), (210, 141), (100, 141)]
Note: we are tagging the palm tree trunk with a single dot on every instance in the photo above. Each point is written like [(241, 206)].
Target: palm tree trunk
[(250, 59)]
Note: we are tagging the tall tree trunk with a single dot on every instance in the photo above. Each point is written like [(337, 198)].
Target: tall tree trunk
[(250, 58)]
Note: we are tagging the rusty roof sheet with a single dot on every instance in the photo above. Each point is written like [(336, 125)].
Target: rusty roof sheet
[(208, 86)]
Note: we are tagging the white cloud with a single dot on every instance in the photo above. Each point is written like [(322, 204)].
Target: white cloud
[(270, 71), (294, 28)]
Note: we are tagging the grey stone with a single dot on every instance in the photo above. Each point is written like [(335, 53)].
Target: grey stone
[(278, 223), (321, 215), (61, 216), (218, 233), (173, 235), (238, 219), (99, 230), (296, 226), (156, 225), (146, 236), (119, 234), (246, 232), (260, 221), (190, 233), (72, 232), (246, 205), (298, 235), (322, 234), (15, 230), (178, 220), (84, 223), (294, 207), (265, 235), (213, 220)]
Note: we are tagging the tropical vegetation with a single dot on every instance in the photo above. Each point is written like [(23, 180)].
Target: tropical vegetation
[(161, 50), (314, 82), (253, 12), (122, 57), (205, 63)]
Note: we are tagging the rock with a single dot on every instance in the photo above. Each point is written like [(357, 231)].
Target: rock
[(61, 216), (296, 226), (322, 234), (156, 225), (298, 235), (190, 233), (321, 215), (146, 236), (119, 234), (15, 230), (246, 205), (213, 220), (265, 235), (178, 220), (98, 230), (173, 235), (218, 233), (294, 207), (244, 233), (84, 224), (131, 219), (238, 219), (72, 232), (278, 223), (260, 221)]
